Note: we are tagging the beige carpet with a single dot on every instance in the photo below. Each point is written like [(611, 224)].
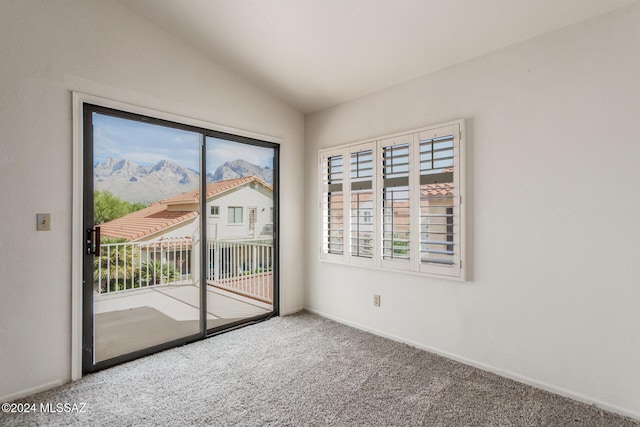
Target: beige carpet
[(304, 370)]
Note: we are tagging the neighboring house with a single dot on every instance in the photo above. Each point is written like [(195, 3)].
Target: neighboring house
[(239, 218), (237, 209)]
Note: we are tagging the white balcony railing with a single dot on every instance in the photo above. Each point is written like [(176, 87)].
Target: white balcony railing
[(127, 266), (244, 268)]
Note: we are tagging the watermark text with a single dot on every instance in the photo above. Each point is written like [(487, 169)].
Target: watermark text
[(46, 407)]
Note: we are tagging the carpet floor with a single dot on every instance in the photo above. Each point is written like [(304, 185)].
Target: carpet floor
[(303, 370)]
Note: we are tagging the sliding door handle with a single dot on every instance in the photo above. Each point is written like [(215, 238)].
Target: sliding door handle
[(96, 242), (93, 241)]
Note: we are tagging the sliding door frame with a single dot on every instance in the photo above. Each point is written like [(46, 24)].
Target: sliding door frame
[(276, 225), (82, 319)]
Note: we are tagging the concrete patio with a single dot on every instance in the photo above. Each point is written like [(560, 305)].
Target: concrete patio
[(140, 318)]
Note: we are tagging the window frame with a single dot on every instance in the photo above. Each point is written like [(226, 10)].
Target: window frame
[(251, 225), (235, 208), (457, 270)]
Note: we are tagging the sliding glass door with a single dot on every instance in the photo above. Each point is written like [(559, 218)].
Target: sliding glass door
[(180, 225), (240, 230)]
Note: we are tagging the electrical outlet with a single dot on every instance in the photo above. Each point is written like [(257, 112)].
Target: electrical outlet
[(43, 222), (376, 300)]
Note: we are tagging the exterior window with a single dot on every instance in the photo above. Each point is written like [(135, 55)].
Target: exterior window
[(405, 196), (253, 214), (450, 229), (235, 215), (214, 211)]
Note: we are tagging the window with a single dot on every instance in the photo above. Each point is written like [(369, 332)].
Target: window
[(361, 209), (450, 229), (405, 194), (396, 203), (332, 206), (234, 215), (214, 211), (253, 214), (439, 239)]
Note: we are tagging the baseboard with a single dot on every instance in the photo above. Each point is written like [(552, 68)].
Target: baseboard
[(507, 374), (291, 311), (32, 390)]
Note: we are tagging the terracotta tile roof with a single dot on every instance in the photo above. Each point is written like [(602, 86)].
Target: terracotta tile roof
[(213, 189), (222, 186), (173, 242), (443, 189), (157, 217), (144, 222), (430, 190)]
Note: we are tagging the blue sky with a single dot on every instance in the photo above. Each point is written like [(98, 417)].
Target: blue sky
[(220, 151), (147, 144)]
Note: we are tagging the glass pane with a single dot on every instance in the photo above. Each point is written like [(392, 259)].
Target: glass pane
[(437, 210), (146, 284), (332, 209), (239, 240), (395, 203), (362, 226)]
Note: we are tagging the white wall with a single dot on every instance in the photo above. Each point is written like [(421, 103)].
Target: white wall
[(245, 197), (554, 213), (48, 50)]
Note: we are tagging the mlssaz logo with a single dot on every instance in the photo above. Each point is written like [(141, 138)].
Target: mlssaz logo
[(63, 407)]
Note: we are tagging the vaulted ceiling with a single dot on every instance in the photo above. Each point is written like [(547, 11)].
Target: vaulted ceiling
[(314, 54)]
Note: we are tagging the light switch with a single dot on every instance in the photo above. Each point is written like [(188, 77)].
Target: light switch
[(44, 221)]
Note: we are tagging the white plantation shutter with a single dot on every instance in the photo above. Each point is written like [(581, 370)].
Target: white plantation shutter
[(403, 197), (333, 229), (439, 201), (362, 226), (395, 157)]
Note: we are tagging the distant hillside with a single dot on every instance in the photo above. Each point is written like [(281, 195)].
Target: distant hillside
[(239, 169), (145, 184)]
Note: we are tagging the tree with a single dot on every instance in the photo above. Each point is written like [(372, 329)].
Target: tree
[(122, 265), (157, 272), (117, 267), (107, 206)]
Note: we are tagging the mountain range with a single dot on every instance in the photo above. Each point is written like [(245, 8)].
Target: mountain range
[(240, 169), (145, 184)]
